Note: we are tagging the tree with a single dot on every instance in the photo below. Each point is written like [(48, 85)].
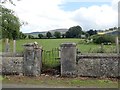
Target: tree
[(11, 1), (63, 35), (40, 35), (92, 32), (10, 24), (74, 32), (48, 34), (30, 37), (111, 29), (57, 34), (22, 35), (98, 39), (115, 28)]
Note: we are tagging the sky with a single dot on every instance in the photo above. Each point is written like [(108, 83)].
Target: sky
[(44, 15)]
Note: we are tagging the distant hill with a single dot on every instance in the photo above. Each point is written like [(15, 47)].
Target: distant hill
[(59, 30), (35, 34)]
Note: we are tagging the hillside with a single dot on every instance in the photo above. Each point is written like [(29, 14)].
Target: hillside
[(59, 30), (35, 34)]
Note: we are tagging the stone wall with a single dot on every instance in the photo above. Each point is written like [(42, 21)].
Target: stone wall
[(98, 65), (12, 65), (90, 65), (29, 63), (72, 64)]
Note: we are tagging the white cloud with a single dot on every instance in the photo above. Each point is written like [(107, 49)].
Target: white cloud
[(65, 1), (96, 17), (43, 15)]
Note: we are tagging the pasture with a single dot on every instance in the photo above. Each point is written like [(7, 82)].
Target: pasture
[(49, 44)]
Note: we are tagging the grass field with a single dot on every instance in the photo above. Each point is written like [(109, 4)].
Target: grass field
[(49, 44)]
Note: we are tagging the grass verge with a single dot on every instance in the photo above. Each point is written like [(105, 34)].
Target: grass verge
[(60, 81)]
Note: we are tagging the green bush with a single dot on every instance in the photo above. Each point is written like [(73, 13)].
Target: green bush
[(98, 39)]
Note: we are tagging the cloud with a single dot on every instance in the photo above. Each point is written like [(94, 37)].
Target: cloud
[(43, 15), (65, 1), (96, 17)]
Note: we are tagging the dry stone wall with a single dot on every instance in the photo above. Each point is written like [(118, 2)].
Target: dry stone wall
[(90, 65), (98, 65), (29, 63), (72, 64), (12, 65)]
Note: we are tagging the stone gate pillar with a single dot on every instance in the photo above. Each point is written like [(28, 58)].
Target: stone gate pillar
[(68, 59), (32, 62)]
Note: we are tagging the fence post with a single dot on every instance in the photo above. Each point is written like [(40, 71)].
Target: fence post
[(7, 48), (14, 46), (68, 59), (117, 45)]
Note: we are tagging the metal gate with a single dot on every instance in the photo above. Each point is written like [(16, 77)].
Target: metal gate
[(51, 61)]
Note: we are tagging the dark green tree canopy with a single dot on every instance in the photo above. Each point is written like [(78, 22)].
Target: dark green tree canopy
[(30, 36), (10, 24), (48, 34), (22, 35), (40, 35), (74, 32), (57, 34), (98, 39), (92, 32)]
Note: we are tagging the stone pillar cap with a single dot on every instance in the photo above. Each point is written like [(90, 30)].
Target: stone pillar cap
[(68, 45), (35, 43)]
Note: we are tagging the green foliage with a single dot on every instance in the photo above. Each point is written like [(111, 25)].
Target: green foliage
[(98, 39), (57, 34), (10, 24), (48, 34), (30, 37), (92, 32), (40, 35), (22, 35), (63, 35), (74, 32)]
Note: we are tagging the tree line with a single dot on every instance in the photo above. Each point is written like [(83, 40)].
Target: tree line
[(73, 32)]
